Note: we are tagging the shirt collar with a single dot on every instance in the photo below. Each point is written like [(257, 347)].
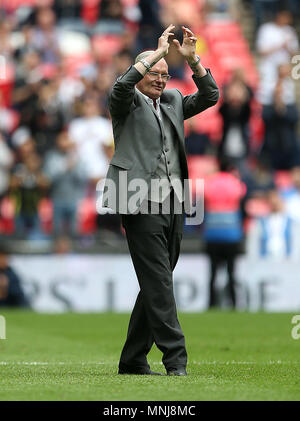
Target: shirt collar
[(149, 100)]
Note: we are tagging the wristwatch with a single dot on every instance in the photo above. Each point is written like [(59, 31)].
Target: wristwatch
[(146, 64)]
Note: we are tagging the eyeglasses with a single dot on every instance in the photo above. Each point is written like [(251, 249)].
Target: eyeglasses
[(155, 75)]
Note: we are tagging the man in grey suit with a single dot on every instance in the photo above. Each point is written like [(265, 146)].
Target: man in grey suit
[(149, 153)]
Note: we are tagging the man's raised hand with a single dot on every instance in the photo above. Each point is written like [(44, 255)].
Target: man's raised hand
[(188, 47), (163, 40)]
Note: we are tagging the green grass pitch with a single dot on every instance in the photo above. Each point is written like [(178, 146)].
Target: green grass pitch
[(232, 356)]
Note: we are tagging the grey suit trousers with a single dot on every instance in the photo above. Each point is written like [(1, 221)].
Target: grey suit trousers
[(154, 245)]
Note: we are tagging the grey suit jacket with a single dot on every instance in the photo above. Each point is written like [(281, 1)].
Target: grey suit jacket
[(138, 135)]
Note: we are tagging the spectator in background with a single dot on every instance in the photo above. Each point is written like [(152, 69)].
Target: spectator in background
[(27, 85), (195, 143), (48, 119), (265, 10), (8, 118), (223, 231), (111, 9), (274, 235), (25, 47), (67, 9), (28, 186), (181, 12), (281, 117), (69, 90), (45, 35), (6, 162), (235, 112), (92, 135), (22, 143), (88, 76), (6, 48), (150, 26), (291, 196), (11, 292), (122, 61), (259, 180), (68, 182), (238, 76), (276, 43), (103, 85), (224, 7)]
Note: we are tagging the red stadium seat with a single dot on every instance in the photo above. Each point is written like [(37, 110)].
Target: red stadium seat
[(87, 216), (11, 5), (179, 84), (210, 123), (7, 81), (90, 10), (222, 31), (45, 211), (73, 64), (106, 46), (7, 215), (236, 47), (231, 62)]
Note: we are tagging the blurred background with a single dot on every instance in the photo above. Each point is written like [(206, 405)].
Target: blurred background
[(58, 61)]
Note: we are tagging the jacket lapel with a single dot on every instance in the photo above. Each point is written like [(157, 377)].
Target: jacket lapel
[(170, 112)]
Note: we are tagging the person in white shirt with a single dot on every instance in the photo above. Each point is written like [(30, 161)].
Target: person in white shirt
[(275, 235), (292, 196), (276, 43), (92, 134)]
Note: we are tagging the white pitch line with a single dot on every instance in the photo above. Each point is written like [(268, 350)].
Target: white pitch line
[(49, 363)]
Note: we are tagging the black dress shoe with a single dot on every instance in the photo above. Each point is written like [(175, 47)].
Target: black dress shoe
[(177, 372), (142, 372)]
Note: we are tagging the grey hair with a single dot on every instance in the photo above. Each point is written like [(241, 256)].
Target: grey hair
[(143, 55)]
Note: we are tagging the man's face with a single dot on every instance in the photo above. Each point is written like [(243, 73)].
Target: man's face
[(3, 261), (91, 107), (284, 18), (151, 86)]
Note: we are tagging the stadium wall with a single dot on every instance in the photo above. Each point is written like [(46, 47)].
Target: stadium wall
[(89, 283)]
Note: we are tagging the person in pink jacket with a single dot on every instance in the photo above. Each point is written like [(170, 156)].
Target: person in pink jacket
[(223, 227)]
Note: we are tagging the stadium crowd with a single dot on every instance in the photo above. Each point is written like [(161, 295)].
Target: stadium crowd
[(58, 61)]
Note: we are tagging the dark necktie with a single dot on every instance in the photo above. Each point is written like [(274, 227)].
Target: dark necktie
[(154, 103)]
